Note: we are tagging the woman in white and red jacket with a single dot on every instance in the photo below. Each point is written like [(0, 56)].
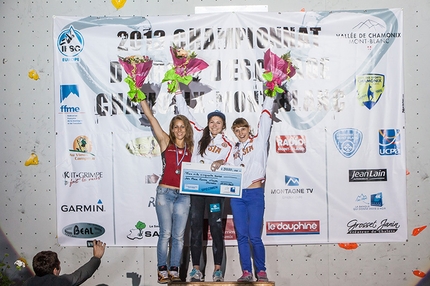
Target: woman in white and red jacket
[(211, 147)]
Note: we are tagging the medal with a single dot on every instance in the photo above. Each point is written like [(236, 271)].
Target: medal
[(242, 165), (201, 161), (178, 162)]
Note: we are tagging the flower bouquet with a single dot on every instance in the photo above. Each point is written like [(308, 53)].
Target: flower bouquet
[(137, 68), (5, 280), (277, 69), (185, 64)]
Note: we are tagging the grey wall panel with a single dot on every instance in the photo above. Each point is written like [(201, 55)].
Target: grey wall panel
[(27, 194)]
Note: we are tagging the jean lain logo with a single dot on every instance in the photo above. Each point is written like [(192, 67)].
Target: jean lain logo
[(368, 175), (389, 142), (70, 42), (347, 141), (290, 144), (370, 88)]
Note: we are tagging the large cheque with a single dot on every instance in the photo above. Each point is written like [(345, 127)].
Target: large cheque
[(198, 179)]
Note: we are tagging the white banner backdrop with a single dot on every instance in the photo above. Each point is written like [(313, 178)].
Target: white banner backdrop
[(336, 167)]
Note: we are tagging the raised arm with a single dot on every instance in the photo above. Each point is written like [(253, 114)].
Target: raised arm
[(161, 136), (184, 110), (265, 123)]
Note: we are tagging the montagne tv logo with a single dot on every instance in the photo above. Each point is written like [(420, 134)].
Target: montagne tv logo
[(291, 181)]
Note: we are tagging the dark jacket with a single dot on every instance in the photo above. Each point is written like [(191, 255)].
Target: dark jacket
[(76, 278)]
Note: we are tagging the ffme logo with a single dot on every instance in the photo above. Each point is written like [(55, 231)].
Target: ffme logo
[(291, 181), (293, 227), (389, 142), (69, 91)]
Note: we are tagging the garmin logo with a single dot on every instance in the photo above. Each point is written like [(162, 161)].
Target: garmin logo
[(368, 175), (83, 208), (83, 230)]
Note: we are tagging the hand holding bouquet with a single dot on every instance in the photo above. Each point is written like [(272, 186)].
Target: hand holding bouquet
[(137, 68), (185, 64), (277, 69)]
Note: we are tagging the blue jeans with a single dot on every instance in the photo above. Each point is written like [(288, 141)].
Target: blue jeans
[(248, 213), (172, 211)]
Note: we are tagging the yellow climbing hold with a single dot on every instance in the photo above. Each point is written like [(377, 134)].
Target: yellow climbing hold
[(33, 160)]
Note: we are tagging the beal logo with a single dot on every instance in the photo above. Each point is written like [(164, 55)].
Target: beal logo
[(389, 142), (293, 227), (83, 230), (347, 141), (70, 42), (290, 144)]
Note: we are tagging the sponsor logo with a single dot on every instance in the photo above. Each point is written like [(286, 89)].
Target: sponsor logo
[(71, 178), (368, 175), (369, 33), (139, 231), (290, 144), (83, 230), (370, 88), (99, 207), (291, 181), (293, 227), (70, 43), (363, 203), (70, 92), (290, 192), (347, 141), (389, 142), (368, 227), (81, 149)]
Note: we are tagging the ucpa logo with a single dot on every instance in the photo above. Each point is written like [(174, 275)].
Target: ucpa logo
[(389, 142), (370, 88), (70, 42), (291, 181), (347, 141)]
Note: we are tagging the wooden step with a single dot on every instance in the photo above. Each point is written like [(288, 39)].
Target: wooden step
[(225, 283)]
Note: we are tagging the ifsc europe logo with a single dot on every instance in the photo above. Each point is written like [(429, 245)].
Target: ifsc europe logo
[(70, 42), (347, 141)]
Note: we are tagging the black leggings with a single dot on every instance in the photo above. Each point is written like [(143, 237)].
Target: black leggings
[(215, 207)]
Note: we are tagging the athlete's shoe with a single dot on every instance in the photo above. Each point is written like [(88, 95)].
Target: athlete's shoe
[(262, 276), (195, 275), (246, 277), (174, 276), (217, 276), (163, 277)]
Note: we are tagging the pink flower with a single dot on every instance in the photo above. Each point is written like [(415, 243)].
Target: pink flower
[(277, 69), (186, 63)]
